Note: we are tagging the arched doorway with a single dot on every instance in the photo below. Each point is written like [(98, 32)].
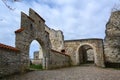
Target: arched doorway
[(35, 55), (86, 54)]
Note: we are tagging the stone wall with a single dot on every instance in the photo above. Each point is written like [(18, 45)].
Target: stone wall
[(90, 55), (9, 60), (112, 39), (38, 58), (59, 60), (40, 54), (36, 55), (56, 39), (72, 48)]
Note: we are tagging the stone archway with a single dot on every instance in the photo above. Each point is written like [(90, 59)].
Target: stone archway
[(35, 54), (98, 57), (86, 54), (81, 54), (32, 28)]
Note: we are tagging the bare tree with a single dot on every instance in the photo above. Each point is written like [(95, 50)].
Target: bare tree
[(8, 6)]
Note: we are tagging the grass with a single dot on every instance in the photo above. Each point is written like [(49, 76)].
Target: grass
[(36, 67)]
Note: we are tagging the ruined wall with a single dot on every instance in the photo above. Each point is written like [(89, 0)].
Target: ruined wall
[(9, 60), (72, 48), (37, 59), (40, 54), (32, 28), (56, 39), (112, 39), (36, 55), (59, 60)]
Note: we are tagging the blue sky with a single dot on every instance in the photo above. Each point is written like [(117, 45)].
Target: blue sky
[(76, 18)]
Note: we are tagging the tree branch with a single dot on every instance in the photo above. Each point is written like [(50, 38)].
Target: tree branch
[(5, 2)]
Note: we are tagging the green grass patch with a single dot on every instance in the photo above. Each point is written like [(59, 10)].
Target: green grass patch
[(38, 67)]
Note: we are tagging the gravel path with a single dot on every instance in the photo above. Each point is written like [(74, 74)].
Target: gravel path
[(72, 73)]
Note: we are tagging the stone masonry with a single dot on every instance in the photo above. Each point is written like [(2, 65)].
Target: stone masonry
[(37, 59), (9, 60), (56, 39), (112, 39), (72, 48), (34, 28), (36, 55)]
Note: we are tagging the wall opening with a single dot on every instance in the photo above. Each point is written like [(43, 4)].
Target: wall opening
[(35, 55), (86, 54)]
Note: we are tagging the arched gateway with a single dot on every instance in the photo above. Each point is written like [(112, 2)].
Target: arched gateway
[(85, 50), (86, 54), (32, 28), (82, 56)]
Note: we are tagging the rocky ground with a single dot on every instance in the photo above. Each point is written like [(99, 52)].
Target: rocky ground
[(72, 73)]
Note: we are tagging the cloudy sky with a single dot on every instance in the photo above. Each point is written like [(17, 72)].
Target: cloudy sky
[(76, 18)]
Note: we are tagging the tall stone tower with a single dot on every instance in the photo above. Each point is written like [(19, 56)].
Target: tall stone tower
[(112, 39)]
